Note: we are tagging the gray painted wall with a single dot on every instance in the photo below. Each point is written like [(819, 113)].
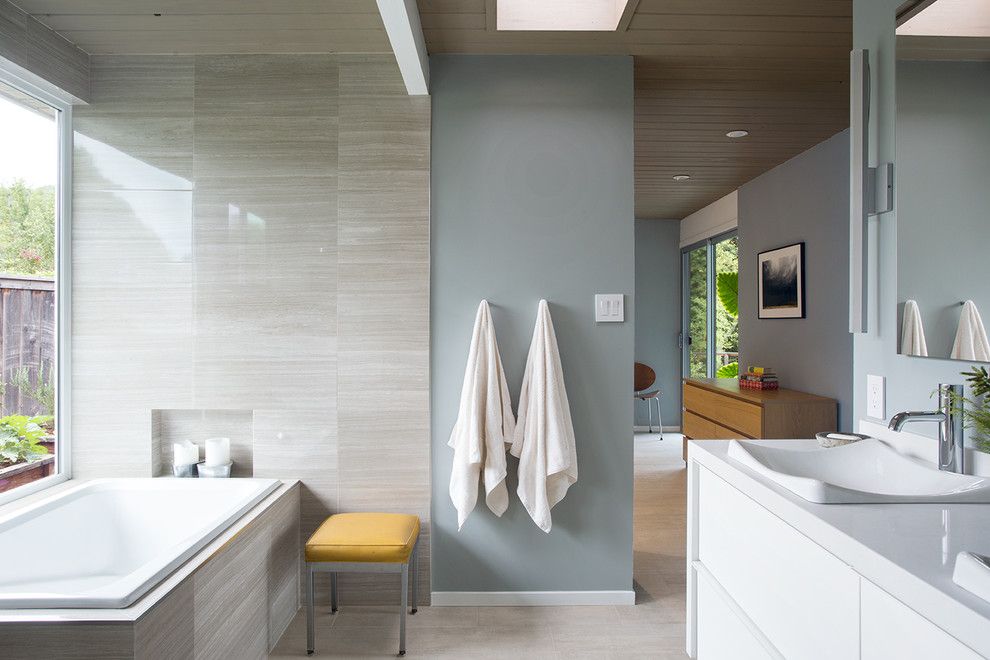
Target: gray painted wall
[(658, 313), (909, 381), (943, 152), (533, 198), (805, 199)]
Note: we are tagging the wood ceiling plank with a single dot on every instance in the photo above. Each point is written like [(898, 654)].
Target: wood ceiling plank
[(736, 22), (453, 21), (196, 7), (747, 7), (212, 22), (254, 41)]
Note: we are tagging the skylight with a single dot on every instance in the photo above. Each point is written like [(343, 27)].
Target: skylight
[(559, 15), (950, 18)]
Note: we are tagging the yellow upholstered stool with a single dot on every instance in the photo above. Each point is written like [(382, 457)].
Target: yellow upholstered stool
[(361, 543)]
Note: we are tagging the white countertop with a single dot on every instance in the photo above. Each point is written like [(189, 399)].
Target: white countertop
[(908, 550)]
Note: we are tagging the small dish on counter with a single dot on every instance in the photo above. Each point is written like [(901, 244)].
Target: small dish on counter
[(828, 440)]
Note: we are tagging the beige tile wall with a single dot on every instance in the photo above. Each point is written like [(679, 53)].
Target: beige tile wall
[(251, 233)]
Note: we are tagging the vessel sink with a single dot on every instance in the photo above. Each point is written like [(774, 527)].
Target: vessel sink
[(863, 472), (972, 573)]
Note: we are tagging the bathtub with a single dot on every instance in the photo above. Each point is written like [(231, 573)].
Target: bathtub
[(105, 543)]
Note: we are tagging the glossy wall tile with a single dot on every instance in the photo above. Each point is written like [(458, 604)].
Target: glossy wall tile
[(251, 237)]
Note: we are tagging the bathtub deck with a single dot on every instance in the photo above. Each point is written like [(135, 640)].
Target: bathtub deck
[(237, 595)]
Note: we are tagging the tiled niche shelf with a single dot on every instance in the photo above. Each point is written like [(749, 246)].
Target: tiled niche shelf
[(169, 426)]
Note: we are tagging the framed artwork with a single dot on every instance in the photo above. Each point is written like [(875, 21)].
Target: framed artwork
[(781, 285)]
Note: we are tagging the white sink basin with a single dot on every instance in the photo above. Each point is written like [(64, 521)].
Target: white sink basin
[(863, 472), (972, 573)]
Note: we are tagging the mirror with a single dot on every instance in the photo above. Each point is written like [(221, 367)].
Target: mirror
[(943, 179)]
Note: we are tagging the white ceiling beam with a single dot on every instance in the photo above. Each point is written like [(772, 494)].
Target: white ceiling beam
[(405, 33)]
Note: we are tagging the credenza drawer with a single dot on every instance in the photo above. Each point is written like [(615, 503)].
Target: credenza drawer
[(699, 428), (732, 413)]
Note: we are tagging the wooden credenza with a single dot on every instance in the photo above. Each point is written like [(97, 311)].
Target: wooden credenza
[(718, 409)]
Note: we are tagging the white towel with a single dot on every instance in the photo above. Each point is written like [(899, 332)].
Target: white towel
[(484, 426), (544, 438), (971, 337), (913, 331)]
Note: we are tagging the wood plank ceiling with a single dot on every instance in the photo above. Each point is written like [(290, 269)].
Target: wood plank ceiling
[(214, 26), (777, 68)]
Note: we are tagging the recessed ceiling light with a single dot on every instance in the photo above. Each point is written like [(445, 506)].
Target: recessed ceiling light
[(737, 134), (681, 177)]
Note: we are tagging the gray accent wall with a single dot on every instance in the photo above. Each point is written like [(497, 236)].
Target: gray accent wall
[(658, 314), (532, 197), (805, 199), (909, 381)]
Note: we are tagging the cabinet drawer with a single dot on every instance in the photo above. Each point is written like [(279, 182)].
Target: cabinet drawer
[(699, 428), (893, 630), (803, 599), (726, 410), (721, 633)]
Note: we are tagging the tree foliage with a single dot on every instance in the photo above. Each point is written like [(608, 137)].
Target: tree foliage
[(726, 306), (27, 230)]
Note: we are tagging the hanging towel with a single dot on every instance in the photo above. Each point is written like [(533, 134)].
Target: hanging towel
[(544, 438), (484, 426), (971, 337), (913, 332)]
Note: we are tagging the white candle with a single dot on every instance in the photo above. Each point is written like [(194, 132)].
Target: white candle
[(217, 451), (185, 453)]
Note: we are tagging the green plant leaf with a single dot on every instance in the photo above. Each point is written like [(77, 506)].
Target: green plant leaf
[(730, 370), (727, 287)]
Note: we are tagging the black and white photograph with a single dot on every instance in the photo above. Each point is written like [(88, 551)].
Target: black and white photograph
[(781, 283)]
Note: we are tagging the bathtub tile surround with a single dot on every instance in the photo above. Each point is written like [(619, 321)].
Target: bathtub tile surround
[(251, 236)]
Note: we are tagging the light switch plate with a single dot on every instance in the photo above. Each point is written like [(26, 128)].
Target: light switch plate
[(609, 308), (875, 397)]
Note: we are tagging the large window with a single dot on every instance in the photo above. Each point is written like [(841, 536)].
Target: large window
[(711, 327), (33, 181)]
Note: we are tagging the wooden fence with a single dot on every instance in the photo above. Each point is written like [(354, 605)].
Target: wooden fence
[(27, 341)]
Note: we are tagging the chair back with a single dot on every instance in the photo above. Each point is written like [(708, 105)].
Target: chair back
[(643, 377)]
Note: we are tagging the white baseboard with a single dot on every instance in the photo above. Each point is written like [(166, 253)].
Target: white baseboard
[(666, 429), (534, 598)]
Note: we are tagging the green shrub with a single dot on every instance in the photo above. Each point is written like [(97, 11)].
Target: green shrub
[(20, 438)]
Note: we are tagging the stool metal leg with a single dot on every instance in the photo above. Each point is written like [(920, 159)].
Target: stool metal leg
[(333, 593), (310, 613), (402, 613), (649, 409), (414, 558), (659, 418)]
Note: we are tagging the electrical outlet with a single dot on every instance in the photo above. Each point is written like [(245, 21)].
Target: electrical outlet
[(875, 397)]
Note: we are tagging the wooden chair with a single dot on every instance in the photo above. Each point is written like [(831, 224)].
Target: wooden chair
[(643, 379)]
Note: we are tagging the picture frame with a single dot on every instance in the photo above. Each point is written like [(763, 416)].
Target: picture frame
[(780, 287)]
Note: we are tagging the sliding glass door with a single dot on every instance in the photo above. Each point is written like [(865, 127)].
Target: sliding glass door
[(710, 328)]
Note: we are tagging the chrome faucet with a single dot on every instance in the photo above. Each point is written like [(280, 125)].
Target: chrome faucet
[(950, 426)]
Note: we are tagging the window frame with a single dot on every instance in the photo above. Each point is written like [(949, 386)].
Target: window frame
[(63, 287)]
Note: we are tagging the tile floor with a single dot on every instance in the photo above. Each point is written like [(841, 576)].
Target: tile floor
[(653, 628)]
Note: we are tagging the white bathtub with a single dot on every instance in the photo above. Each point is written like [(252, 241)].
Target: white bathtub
[(105, 543)]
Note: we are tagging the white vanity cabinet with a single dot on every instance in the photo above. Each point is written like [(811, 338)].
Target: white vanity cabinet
[(891, 629), (759, 588), (804, 601)]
